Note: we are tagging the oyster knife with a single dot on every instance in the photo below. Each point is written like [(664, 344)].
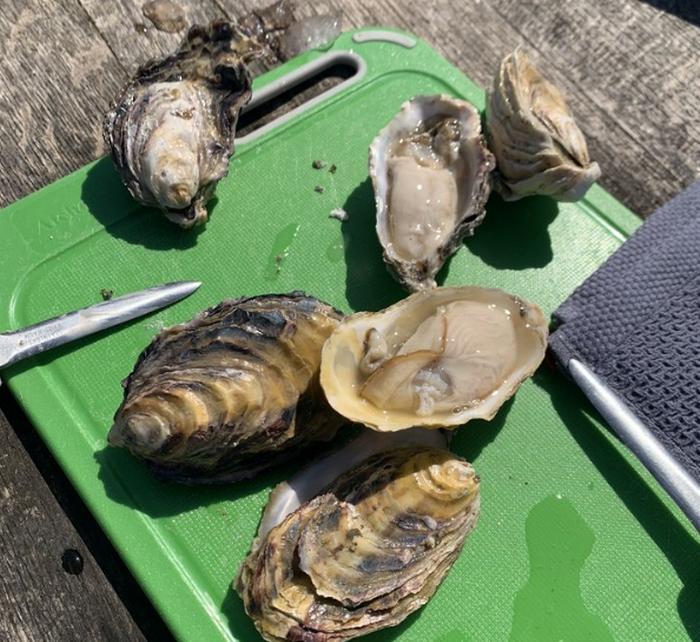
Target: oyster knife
[(32, 340)]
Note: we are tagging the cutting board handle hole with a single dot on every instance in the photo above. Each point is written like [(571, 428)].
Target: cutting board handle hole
[(295, 92)]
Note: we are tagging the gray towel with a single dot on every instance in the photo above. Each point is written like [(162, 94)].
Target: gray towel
[(636, 323)]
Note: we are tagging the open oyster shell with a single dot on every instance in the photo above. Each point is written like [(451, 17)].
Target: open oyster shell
[(430, 170), (538, 146), (172, 127), (363, 554), (439, 358), (231, 392)]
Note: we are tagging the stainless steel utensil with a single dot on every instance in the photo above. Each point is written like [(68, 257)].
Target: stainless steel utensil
[(641, 441), (43, 336)]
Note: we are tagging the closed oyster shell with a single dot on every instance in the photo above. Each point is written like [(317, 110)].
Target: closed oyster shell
[(539, 148), (439, 358), (171, 129), (231, 392), (430, 170), (369, 550)]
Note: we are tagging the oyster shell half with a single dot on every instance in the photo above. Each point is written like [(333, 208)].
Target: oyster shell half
[(430, 170), (231, 392), (172, 127), (438, 358), (538, 146), (365, 553)]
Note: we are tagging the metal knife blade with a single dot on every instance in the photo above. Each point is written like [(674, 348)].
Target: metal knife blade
[(43, 336)]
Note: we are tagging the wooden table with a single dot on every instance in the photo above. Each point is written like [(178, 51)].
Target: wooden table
[(629, 68)]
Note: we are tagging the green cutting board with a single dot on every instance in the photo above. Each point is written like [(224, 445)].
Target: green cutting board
[(576, 541)]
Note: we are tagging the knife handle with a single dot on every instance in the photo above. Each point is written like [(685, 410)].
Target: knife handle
[(34, 339)]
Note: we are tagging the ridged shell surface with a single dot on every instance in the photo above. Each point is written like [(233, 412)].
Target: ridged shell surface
[(231, 392), (539, 148), (171, 129), (364, 554)]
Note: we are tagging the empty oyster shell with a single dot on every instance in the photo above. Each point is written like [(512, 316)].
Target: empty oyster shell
[(430, 170), (369, 550), (538, 146), (172, 127), (438, 358), (229, 393)]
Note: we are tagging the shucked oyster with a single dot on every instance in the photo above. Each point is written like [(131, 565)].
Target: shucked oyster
[(367, 551), (229, 393), (438, 358), (430, 170), (172, 127), (538, 146)]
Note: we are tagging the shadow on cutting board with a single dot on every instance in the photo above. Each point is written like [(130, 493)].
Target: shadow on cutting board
[(368, 284), (166, 499), (514, 236), (111, 204), (669, 535), (468, 441)]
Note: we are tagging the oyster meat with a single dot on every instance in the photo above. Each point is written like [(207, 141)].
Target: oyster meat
[(430, 170), (171, 129), (367, 551), (539, 148), (440, 357), (231, 392)]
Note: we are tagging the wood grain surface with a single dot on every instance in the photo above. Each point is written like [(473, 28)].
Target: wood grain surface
[(39, 600), (629, 69)]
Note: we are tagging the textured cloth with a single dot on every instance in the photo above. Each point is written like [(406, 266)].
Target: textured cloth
[(636, 323)]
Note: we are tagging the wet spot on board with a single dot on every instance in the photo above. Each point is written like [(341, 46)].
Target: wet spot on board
[(558, 544)]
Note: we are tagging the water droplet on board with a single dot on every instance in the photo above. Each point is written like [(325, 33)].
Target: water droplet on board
[(558, 543), (280, 250), (335, 251)]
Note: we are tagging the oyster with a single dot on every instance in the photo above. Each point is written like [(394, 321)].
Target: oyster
[(538, 146), (366, 552), (438, 358), (231, 392), (310, 481), (430, 170), (172, 127)]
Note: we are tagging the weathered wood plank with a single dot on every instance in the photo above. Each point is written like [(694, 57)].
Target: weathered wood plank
[(56, 76), (117, 23), (38, 599)]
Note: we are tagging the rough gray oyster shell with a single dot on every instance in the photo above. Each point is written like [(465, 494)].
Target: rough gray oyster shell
[(539, 148), (231, 392), (430, 170), (172, 127), (367, 551)]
